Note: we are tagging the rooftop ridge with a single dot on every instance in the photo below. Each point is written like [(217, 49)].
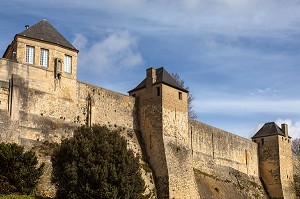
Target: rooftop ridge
[(44, 31)]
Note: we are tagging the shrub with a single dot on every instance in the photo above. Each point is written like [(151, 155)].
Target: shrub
[(18, 169), (95, 163)]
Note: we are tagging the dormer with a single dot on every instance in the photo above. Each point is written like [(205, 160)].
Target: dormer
[(42, 46)]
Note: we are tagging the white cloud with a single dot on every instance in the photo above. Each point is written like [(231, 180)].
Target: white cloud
[(247, 106), (293, 127), (116, 52), (264, 92), (230, 17), (79, 42)]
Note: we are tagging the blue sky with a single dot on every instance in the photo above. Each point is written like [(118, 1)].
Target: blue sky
[(240, 59)]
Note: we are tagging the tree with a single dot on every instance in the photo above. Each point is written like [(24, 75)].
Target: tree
[(296, 146), (18, 169), (95, 163), (191, 97)]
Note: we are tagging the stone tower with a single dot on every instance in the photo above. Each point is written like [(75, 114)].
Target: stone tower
[(38, 82), (275, 160), (43, 46), (162, 108)]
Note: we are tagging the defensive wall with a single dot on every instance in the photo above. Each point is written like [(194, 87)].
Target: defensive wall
[(210, 144), (49, 110), (42, 100), (36, 107)]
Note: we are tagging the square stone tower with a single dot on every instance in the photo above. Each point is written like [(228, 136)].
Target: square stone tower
[(41, 45), (162, 106), (275, 160)]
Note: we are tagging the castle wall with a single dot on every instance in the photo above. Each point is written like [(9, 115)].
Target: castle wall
[(212, 146), (182, 184), (36, 107), (286, 170), (107, 107), (49, 109)]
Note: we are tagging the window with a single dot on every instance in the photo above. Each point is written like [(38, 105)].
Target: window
[(262, 141), (180, 95), (68, 64), (158, 91), (44, 57), (29, 54)]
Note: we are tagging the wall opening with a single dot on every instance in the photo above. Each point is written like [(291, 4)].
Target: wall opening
[(157, 91), (150, 140)]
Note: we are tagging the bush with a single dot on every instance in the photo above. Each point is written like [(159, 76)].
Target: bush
[(18, 171), (95, 163)]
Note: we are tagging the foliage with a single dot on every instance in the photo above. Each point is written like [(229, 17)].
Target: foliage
[(18, 169), (46, 148), (95, 163), (191, 97)]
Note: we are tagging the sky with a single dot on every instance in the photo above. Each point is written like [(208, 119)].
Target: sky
[(239, 58)]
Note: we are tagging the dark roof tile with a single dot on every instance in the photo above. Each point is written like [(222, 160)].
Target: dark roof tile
[(268, 129), (44, 31), (162, 76)]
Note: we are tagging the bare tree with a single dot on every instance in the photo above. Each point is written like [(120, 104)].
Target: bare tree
[(191, 97), (296, 146)]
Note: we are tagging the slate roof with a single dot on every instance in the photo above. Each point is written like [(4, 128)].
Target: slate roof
[(44, 31), (162, 76), (268, 129)]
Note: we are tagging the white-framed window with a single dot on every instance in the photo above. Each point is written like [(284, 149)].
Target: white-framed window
[(30, 54), (44, 57), (68, 64)]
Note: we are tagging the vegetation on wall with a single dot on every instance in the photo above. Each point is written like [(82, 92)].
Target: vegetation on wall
[(18, 169), (96, 163)]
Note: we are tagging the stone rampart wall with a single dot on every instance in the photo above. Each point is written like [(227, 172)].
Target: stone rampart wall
[(212, 146), (47, 108)]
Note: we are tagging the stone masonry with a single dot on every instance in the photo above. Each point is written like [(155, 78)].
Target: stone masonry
[(43, 101)]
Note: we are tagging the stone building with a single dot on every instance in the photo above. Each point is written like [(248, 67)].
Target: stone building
[(41, 99)]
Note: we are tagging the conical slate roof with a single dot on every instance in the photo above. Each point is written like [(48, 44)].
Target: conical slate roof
[(162, 76), (44, 31), (268, 129)]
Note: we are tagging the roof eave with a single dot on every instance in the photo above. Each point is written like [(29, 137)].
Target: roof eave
[(27, 37), (136, 89), (181, 89)]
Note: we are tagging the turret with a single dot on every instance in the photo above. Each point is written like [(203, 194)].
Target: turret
[(162, 106), (275, 160)]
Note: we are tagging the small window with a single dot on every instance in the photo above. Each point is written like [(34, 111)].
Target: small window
[(180, 95), (68, 64), (158, 91), (30, 54), (262, 141), (44, 57)]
